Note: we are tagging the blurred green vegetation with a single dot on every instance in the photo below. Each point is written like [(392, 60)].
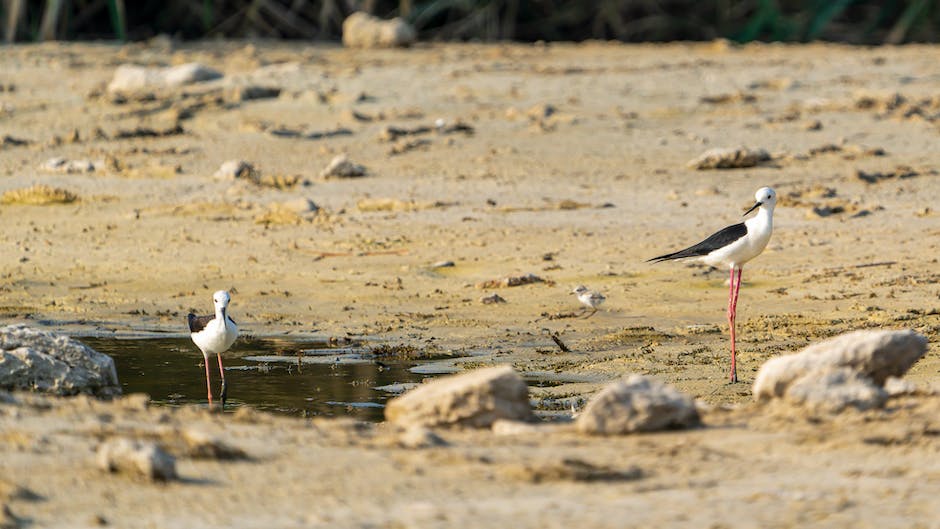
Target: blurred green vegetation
[(852, 21)]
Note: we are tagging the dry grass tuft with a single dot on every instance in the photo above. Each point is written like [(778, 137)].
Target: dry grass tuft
[(38, 195)]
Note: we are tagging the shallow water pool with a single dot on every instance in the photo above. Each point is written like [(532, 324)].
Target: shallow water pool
[(301, 378)]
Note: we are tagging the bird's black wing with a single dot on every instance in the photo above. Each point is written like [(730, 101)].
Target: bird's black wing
[(198, 323), (717, 240)]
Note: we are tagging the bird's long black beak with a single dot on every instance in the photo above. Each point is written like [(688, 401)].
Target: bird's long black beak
[(755, 206)]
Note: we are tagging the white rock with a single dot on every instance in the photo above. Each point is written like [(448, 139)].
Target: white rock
[(729, 158), (832, 389), (141, 458), (342, 167), (62, 165), (898, 386), (189, 73), (874, 354), (131, 78), (503, 427), (636, 404), (233, 169), (473, 399), (361, 30), (44, 361)]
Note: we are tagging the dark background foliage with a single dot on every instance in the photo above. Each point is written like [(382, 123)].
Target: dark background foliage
[(852, 21)]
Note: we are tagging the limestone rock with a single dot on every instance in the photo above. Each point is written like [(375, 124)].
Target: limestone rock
[(474, 399), (895, 387), (63, 165), (234, 169), (342, 167), (45, 361), (510, 281), (636, 404), (876, 355), (833, 389), (504, 427), (729, 158), (492, 299), (132, 78), (361, 30), (140, 458)]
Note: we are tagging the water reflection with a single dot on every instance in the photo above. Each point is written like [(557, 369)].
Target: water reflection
[(170, 371)]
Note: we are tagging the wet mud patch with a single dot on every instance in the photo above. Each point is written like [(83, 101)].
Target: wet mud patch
[(643, 335), (569, 469), (406, 352), (772, 334), (821, 201)]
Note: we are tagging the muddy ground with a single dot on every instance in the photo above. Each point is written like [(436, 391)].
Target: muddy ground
[(564, 161)]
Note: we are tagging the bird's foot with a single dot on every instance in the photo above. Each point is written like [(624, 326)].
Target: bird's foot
[(223, 394)]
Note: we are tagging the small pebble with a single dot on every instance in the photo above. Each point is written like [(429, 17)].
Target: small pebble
[(491, 299)]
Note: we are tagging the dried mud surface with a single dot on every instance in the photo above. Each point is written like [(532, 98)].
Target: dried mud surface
[(563, 161)]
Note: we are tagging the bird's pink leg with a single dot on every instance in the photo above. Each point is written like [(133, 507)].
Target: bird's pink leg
[(222, 392), (208, 387), (732, 316), (731, 324)]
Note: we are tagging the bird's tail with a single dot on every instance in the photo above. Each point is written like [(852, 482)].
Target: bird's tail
[(670, 256)]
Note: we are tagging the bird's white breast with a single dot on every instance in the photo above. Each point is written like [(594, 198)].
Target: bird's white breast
[(216, 337), (759, 229), (591, 299)]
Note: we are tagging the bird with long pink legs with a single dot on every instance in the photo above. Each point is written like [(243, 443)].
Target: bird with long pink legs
[(732, 247), (214, 335)]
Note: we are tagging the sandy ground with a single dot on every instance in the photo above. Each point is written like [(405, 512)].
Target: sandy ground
[(574, 171)]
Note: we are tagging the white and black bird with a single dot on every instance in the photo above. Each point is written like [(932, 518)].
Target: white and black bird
[(214, 335), (589, 298), (733, 247)]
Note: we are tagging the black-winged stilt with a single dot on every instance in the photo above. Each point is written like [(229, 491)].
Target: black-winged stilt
[(589, 298), (732, 247), (214, 335)]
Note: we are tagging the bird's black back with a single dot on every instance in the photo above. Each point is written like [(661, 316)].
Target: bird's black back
[(717, 240), (198, 323)]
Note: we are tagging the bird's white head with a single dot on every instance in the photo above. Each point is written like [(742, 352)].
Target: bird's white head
[(580, 289), (221, 299), (765, 197)]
